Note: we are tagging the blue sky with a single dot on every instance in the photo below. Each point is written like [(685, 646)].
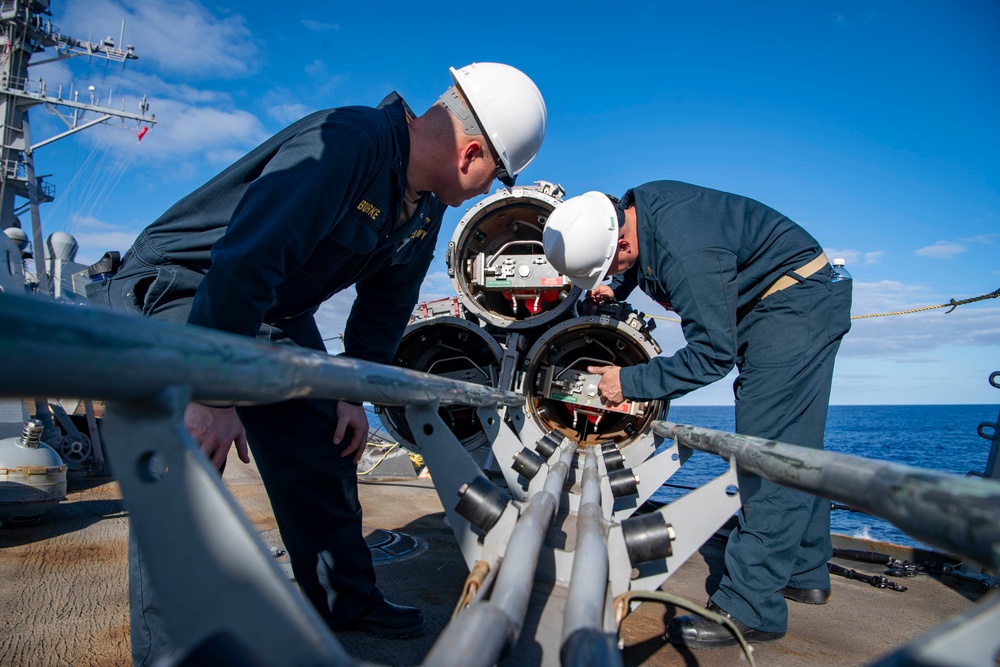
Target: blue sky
[(875, 125)]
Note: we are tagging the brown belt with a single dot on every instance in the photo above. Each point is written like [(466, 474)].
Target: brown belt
[(803, 271)]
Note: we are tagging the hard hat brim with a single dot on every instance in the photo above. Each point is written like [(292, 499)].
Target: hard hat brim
[(581, 238)]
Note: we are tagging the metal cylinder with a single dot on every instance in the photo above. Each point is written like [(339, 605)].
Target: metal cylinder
[(647, 538), (562, 395), (528, 462), (623, 483), (451, 347), (514, 582), (31, 436), (497, 265), (549, 443), (482, 502), (588, 582), (613, 459)]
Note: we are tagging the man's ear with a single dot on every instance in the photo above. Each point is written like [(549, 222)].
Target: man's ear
[(470, 152)]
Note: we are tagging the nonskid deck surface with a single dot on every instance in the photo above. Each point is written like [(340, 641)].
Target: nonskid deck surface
[(65, 597)]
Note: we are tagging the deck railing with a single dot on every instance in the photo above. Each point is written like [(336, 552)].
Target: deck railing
[(960, 515)]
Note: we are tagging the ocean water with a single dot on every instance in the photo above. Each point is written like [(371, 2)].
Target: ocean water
[(936, 437)]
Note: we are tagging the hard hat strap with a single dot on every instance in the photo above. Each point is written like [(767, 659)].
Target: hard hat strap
[(451, 101)]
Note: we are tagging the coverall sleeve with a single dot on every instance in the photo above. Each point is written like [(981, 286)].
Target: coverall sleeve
[(703, 292), (298, 198), (625, 283), (384, 304)]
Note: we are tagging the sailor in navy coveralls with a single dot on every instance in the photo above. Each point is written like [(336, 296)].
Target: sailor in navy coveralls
[(753, 289), (345, 197)]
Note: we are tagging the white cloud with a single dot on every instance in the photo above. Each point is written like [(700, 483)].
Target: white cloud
[(436, 285), (914, 336), (287, 114), (91, 224), (911, 337), (853, 257), (97, 236), (887, 295), (941, 250), (187, 132), (139, 83), (181, 37), (850, 256), (907, 338), (321, 81), (319, 26), (94, 244), (317, 69), (982, 239)]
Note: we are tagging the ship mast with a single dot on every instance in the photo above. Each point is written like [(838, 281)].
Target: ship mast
[(25, 29)]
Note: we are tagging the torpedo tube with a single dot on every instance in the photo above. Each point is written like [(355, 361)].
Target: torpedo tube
[(562, 394), (497, 265)]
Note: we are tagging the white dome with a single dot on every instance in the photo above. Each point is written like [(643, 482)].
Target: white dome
[(62, 246)]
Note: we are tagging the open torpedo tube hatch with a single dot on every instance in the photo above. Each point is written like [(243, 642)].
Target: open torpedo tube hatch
[(562, 393), (497, 265)]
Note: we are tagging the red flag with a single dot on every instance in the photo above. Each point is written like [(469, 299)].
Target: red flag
[(142, 132)]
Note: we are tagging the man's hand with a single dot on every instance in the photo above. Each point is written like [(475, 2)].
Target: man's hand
[(601, 294), (610, 388), (355, 417), (215, 430)]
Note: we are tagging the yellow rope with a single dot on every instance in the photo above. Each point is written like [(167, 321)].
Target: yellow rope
[(387, 451), (952, 303)]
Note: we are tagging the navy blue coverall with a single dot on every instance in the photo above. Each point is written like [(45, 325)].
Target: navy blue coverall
[(256, 251), (709, 256)]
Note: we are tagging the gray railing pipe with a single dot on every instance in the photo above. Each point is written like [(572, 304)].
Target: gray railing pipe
[(476, 638), (588, 580), (53, 349), (958, 514), (479, 636)]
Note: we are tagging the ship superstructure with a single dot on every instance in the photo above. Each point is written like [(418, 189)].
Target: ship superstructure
[(26, 30)]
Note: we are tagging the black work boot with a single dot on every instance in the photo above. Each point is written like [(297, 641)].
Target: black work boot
[(806, 595), (390, 621), (698, 632)]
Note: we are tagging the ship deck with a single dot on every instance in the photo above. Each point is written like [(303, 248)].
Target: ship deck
[(65, 595)]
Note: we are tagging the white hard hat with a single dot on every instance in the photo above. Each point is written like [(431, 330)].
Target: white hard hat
[(510, 111), (580, 238)]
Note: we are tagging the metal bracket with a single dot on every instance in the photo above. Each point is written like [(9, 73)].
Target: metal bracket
[(451, 467), (194, 537), (695, 518)]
